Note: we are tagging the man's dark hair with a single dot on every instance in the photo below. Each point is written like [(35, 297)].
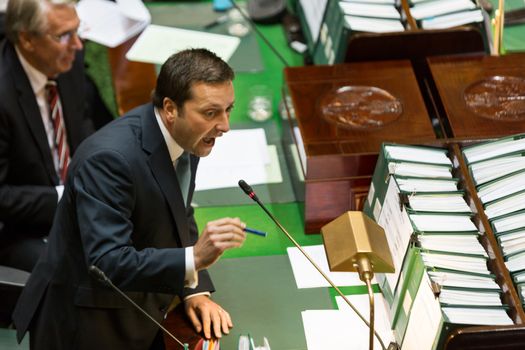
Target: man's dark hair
[(185, 68)]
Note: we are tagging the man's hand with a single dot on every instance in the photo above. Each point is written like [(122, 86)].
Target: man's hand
[(218, 236), (204, 313)]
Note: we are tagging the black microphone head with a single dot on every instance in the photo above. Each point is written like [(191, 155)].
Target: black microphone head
[(98, 274), (248, 190), (245, 187)]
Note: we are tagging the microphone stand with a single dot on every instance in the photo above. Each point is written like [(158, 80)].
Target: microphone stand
[(101, 276), (249, 191), (366, 276)]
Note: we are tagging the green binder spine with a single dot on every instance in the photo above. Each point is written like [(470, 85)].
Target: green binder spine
[(382, 173)]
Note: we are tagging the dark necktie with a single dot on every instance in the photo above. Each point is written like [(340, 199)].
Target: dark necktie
[(59, 129), (184, 174)]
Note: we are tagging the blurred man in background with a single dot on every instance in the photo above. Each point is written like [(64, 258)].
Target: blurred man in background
[(44, 115)]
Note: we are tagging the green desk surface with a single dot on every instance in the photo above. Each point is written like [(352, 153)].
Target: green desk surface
[(261, 296), (8, 340)]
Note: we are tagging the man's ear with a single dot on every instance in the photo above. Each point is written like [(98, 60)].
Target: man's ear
[(25, 40), (170, 109)]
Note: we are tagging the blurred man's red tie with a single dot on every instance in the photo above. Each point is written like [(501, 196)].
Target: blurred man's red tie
[(59, 128)]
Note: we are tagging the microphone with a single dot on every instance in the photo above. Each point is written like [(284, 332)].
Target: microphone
[(251, 193), (248, 190), (101, 277)]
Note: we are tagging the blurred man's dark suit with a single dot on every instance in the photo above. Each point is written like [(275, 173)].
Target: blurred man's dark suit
[(28, 198)]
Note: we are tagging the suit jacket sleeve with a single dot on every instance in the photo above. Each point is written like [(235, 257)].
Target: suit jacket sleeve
[(105, 187), (205, 283)]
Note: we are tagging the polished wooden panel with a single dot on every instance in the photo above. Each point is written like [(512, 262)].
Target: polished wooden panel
[(134, 81), (487, 338), (453, 74), (414, 44), (320, 137), (323, 199), (178, 323), (339, 158)]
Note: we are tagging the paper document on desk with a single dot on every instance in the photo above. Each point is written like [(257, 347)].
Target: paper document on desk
[(157, 43), (111, 23), (306, 276), (239, 154), (343, 329)]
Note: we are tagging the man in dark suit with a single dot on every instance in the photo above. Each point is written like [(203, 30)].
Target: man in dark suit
[(126, 209), (41, 43)]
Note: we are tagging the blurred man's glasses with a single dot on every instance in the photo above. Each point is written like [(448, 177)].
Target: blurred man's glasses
[(64, 38)]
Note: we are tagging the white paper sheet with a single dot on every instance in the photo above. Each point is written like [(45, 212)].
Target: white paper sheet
[(239, 154), (306, 276), (157, 43), (134, 9), (343, 329), (361, 303), (111, 23), (213, 177)]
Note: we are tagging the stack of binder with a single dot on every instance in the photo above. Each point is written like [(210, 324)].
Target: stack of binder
[(441, 14), (498, 170), (442, 278), (380, 16), (330, 25), (420, 169), (343, 18)]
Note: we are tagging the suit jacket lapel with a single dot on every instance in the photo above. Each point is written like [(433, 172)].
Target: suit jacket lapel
[(31, 112), (162, 169)]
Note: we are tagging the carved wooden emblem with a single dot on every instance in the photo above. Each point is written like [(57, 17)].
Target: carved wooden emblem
[(497, 97), (359, 107)]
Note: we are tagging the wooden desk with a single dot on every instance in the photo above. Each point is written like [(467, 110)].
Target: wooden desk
[(133, 81), (457, 78), (339, 159), (179, 324), (487, 338)]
